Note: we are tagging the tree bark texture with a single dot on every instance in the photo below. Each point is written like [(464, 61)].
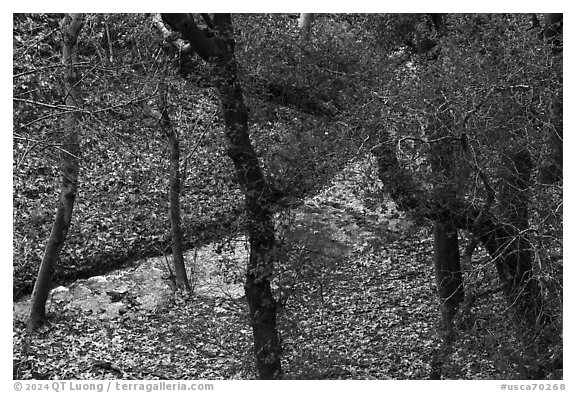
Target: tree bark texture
[(70, 169), (182, 281), (258, 196)]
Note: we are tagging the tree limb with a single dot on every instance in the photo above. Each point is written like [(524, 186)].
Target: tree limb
[(207, 48), (208, 20), (169, 36)]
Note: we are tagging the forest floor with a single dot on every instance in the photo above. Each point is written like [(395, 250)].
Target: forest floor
[(361, 304)]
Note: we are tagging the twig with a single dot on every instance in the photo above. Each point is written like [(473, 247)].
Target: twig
[(39, 69), (193, 151), (476, 108), (428, 141), (108, 38), (43, 104), (490, 192), (36, 41), (23, 138)]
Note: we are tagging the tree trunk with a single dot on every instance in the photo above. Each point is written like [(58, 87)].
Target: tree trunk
[(261, 232), (450, 290), (514, 252), (395, 179), (552, 172), (257, 193), (448, 272), (305, 25), (182, 281), (445, 173), (70, 168)]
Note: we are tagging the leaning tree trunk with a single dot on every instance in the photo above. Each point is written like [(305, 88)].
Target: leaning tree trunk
[(182, 281), (70, 168), (257, 194)]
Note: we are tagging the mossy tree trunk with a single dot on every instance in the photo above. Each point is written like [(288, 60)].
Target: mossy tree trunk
[(70, 156)]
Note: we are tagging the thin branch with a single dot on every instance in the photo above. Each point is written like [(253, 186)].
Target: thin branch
[(38, 40), (82, 111), (490, 196), (65, 108), (193, 151), (429, 141), (23, 126), (476, 108), (40, 69), (108, 38), (36, 141)]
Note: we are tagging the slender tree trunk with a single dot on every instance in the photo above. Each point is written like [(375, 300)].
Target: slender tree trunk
[(177, 249), (70, 169), (305, 25)]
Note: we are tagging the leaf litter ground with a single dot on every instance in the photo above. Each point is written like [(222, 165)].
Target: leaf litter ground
[(358, 291)]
